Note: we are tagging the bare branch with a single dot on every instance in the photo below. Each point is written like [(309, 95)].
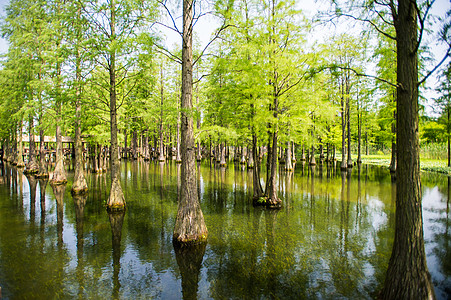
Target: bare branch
[(220, 30), (448, 53)]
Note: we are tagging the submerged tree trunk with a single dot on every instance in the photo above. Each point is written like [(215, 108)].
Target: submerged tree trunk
[(407, 275), (189, 225), (116, 200)]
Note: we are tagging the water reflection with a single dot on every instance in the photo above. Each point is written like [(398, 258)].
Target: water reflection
[(332, 239), (79, 206), (116, 222), (189, 261)]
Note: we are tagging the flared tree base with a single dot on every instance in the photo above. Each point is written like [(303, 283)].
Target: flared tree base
[(267, 202), (116, 201)]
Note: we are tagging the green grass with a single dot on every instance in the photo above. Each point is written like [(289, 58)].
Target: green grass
[(431, 165)]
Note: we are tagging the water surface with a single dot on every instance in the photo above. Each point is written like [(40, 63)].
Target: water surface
[(332, 239)]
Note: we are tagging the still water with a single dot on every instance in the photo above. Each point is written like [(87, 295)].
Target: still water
[(332, 239)]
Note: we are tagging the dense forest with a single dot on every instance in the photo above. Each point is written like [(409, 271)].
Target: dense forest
[(269, 83)]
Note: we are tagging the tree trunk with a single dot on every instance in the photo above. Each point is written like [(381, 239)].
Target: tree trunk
[(32, 165), (134, 145), (359, 135), (222, 150), (43, 172), (312, 161), (19, 158), (257, 186), (343, 131), (407, 275), (348, 123), (288, 163), (178, 158), (189, 225), (80, 185), (116, 201), (250, 160)]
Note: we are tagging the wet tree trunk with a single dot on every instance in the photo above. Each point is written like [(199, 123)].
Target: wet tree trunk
[(32, 165), (407, 275), (189, 225), (116, 200)]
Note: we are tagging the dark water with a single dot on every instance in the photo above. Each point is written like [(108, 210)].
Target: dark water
[(331, 240)]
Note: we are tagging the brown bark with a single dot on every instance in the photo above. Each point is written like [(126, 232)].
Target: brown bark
[(250, 161), (116, 200), (189, 225), (32, 165), (80, 185), (288, 162), (222, 149), (343, 129), (19, 156), (407, 275), (43, 172), (312, 161), (257, 186), (348, 123)]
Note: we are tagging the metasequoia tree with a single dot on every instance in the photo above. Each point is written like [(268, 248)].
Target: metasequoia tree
[(115, 24), (407, 275), (59, 173), (80, 185), (190, 225)]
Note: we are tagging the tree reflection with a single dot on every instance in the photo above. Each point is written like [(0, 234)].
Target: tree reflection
[(33, 182), (189, 259), (79, 204), (116, 222), (58, 191)]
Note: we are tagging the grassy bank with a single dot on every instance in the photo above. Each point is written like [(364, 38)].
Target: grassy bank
[(431, 165)]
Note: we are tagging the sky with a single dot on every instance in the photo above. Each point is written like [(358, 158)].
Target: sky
[(205, 28)]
